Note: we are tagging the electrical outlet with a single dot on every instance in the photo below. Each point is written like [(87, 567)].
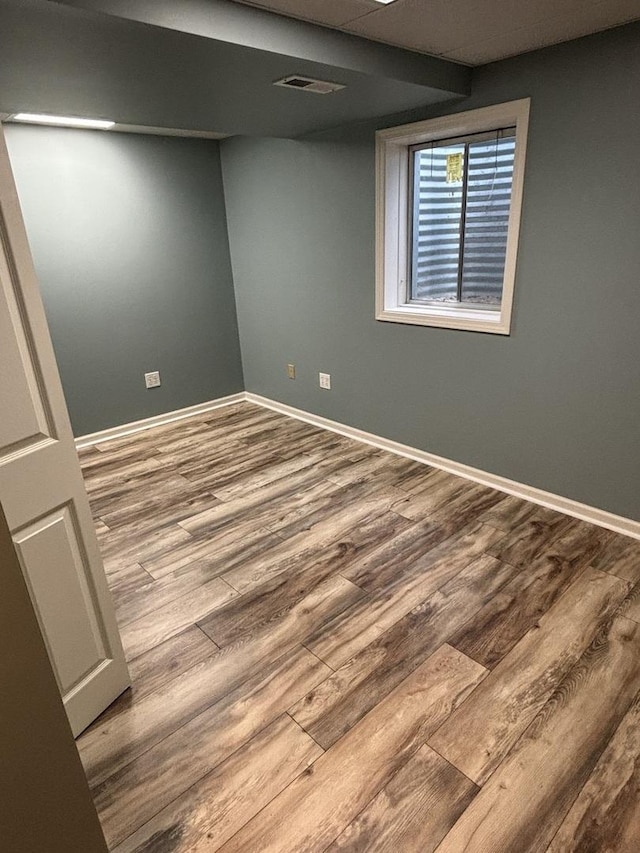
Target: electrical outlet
[(291, 371), (325, 381), (152, 380)]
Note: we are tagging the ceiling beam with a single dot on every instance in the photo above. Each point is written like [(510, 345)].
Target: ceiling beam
[(247, 26), (204, 67)]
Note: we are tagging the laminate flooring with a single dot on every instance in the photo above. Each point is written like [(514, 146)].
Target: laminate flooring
[(338, 649)]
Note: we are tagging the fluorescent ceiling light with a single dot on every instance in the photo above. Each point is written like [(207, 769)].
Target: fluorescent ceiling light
[(67, 121), (386, 2)]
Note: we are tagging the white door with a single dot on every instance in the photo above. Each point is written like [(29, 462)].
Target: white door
[(42, 491)]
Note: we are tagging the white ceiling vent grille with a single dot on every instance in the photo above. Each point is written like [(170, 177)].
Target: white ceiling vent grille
[(308, 84)]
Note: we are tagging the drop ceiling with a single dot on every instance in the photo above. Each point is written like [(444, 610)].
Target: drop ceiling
[(208, 67), (204, 67), (470, 31)]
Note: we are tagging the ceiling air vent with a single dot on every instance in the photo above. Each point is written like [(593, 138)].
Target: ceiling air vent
[(308, 84)]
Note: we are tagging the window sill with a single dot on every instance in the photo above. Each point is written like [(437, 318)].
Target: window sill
[(493, 322)]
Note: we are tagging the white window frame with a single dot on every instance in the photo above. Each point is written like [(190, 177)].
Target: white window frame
[(393, 218)]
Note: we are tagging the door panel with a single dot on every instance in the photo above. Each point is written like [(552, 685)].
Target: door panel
[(60, 587), (42, 490), (23, 421)]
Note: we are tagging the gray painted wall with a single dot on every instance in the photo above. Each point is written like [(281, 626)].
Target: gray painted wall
[(129, 240), (556, 404)]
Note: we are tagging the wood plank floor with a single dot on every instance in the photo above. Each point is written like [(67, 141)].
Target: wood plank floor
[(337, 649)]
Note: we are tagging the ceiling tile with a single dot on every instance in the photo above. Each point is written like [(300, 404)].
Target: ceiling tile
[(553, 30), (332, 13), (471, 31), (432, 27)]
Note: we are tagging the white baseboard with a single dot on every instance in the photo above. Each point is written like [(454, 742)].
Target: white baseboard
[(593, 515), (156, 420)]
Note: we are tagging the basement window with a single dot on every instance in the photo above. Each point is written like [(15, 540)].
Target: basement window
[(449, 194)]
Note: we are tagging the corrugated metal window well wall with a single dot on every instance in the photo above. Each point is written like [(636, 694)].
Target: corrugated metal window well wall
[(461, 194)]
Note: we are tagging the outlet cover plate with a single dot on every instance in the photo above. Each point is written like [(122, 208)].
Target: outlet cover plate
[(152, 380), (325, 381)]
